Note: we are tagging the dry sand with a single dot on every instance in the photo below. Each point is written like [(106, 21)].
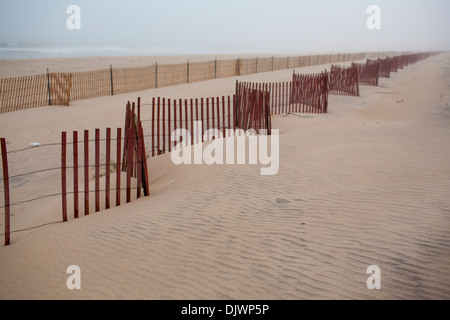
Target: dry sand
[(366, 184)]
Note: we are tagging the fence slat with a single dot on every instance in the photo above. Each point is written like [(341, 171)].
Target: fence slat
[(97, 170), (129, 162), (63, 175), (158, 130), (86, 172), (6, 192), (118, 165), (164, 124), (139, 163), (174, 116), (169, 118), (153, 127), (145, 180), (75, 175), (108, 169)]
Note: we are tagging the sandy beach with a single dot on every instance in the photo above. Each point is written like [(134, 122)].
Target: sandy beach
[(366, 184), (25, 67)]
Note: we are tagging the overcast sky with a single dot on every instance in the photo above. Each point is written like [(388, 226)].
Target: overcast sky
[(271, 26)]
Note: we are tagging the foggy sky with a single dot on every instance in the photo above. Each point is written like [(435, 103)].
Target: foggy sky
[(232, 25)]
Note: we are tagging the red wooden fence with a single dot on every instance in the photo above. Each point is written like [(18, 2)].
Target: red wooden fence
[(368, 72), (384, 70), (344, 81), (372, 70), (252, 107), (310, 93), (305, 94), (136, 162)]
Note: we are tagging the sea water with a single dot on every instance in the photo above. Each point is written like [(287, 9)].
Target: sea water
[(36, 51)]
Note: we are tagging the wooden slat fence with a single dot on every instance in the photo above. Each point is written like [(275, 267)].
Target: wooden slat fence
[(107, 164), (90, 84), (368, 72), (252, 107), (343, 81), (126, 80), (168, 115), (35, 91), (310, 93)]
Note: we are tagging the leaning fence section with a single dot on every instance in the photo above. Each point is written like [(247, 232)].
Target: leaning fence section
[(370, 72), (252, 107), (310, 93), (343, 80), (304, 94), (98, 170), (367, 72)]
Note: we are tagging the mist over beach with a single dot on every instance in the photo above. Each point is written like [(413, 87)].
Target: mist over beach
[(14, 51), (357, 94)]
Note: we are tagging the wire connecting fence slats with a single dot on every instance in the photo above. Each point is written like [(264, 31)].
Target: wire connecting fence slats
[(168, 115)]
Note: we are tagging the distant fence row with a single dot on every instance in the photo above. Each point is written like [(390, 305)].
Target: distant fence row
[(60, 88), (254, 103)]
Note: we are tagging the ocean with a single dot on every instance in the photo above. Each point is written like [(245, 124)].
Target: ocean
[(33, 51)]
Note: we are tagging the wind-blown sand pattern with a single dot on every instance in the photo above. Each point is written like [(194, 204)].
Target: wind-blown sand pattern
[(366, 184)]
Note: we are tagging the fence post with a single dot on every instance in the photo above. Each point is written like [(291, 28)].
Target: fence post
[(48, 88), (144, 172), (6, 191), (156, 74), (118, 158), (108, 168), (63, 175), (325, 89), (239, 66), (187, 72), (86, 172), (130, 158), (236, 106), (97, 170), (75, 174), (111, 76), (215, 68)]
